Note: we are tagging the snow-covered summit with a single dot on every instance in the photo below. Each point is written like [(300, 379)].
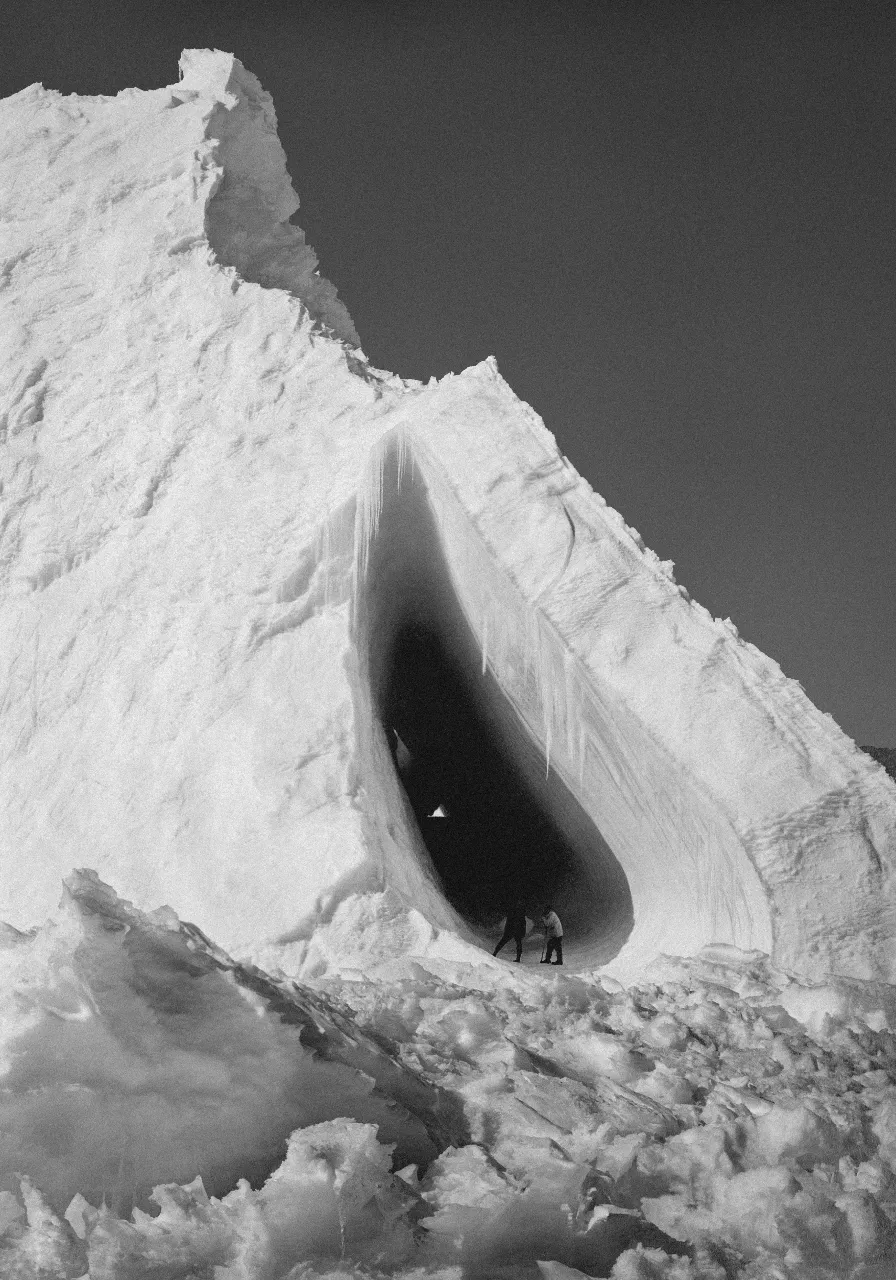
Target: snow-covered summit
[(263, 605)]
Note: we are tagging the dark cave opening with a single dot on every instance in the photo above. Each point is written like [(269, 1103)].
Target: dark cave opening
[(495, 844), (513, 829)]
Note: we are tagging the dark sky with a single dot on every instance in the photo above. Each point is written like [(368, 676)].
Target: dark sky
[(672, 224)]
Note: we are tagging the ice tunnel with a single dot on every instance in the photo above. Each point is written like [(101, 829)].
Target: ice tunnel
[(491, 822)]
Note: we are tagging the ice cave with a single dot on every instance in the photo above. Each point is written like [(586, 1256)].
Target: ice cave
[(257, 591), (333, 664), (496, 821)]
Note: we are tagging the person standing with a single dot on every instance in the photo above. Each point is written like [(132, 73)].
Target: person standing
[(553, 932), (514, 927)]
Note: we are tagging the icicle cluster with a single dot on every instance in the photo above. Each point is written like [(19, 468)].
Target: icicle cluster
[(390, 449), (517, 641)]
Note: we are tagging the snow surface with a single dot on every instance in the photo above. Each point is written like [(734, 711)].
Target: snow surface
[(217, 522)]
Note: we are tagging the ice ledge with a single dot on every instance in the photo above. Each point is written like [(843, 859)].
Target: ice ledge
[(247, 216), (212, 73)]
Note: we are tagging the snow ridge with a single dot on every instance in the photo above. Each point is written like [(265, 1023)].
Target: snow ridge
[(248, 212)]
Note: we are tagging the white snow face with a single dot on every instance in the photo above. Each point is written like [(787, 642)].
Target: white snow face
[(266, 609)]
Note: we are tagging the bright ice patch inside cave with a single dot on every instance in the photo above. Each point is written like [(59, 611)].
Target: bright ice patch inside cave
[(509, 827)]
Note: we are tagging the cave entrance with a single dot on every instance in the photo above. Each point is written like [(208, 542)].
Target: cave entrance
[(490, 841), (496, 824)]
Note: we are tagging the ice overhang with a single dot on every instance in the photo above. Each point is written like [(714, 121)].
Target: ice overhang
[(553, 791)]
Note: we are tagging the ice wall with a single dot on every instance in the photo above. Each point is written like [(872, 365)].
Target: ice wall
[(736, 809), (197, 464), (172, 441)]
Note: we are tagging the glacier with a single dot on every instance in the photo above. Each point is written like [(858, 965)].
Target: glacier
[(268, 610)]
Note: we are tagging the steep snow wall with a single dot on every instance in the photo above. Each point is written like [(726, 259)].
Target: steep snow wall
[(219, 527)]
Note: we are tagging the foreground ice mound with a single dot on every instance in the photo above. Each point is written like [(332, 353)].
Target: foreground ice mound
[(167, 1112), (266, 610), (135, 1052)]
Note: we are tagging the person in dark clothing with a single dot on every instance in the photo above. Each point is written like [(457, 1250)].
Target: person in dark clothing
[(553, 933), (514, 927)]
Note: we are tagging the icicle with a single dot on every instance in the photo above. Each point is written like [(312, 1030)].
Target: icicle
[(558, 701), (533, 643), (392, 448), (570, 705), (323, 557), (402, 457), (546, 687), (367, 512)]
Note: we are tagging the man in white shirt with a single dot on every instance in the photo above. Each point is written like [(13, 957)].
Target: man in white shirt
[(553, 931)]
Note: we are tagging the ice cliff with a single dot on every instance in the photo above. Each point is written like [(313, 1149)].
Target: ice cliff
[(265, 608)]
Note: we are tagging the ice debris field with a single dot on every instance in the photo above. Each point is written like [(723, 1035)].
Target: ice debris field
[(319, 669)]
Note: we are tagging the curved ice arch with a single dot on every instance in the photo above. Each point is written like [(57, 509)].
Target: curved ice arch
[(662, 868)]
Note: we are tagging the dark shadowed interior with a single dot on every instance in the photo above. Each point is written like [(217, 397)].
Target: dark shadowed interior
[(492, 843), (497, 826)]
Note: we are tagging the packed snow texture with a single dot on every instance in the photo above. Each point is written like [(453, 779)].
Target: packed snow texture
[(202, 481)]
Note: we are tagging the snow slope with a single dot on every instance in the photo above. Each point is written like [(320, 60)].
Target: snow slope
[(219, 524)]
